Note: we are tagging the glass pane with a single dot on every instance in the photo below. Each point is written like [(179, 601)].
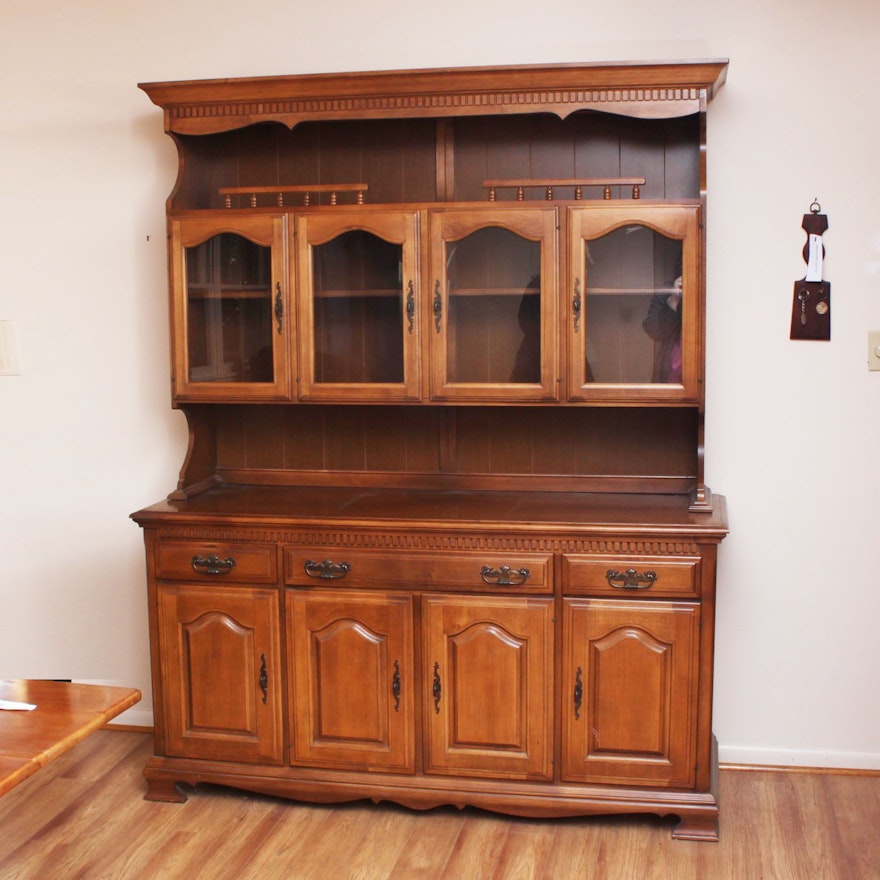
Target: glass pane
[(229, 310), (358, 309), (633, 313), (494, 320)]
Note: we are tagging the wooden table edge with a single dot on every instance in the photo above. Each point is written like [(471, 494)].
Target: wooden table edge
[(121, 699)]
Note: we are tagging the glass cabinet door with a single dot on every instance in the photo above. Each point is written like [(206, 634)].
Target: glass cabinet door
[(358, 301), (493, 304), (229, 308), (635, 313)]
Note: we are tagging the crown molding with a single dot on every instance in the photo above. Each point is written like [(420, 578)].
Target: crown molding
[(644, 90)]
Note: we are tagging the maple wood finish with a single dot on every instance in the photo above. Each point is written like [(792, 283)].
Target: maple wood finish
[(65, 714), (442, 534)]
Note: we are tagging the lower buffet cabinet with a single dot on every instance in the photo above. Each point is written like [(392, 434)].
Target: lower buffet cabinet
[(531, 683)]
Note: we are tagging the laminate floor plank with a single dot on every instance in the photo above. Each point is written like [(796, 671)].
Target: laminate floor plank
[(578, 851), (526, 852), (851, 815), (817, 853), (84, 818), (217, 840), (240, 847), (425, 856), (379, 850), (293, 849), (784, 836), (477, 848)]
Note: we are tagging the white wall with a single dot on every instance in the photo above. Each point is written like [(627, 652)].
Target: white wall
[(87, 434)]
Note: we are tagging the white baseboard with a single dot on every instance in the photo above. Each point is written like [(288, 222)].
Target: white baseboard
[(821, 758), (134, 717)]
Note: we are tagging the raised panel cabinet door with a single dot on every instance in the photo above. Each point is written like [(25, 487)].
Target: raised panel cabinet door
[(635, 317), (488, 680), (629, 682), (492, 330), (359, 308), (230, 314), (352, 679), (220, 667)]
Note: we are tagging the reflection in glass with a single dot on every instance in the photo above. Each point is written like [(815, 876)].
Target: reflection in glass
[(358, 309), (494, 320), (633, 307), (229, 310)]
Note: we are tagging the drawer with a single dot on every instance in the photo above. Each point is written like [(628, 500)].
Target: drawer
[(207, 561), (643, 576), (469, 572)]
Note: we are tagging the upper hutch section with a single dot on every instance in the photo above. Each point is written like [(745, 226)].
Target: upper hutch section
[(438, 135), (531, 238)]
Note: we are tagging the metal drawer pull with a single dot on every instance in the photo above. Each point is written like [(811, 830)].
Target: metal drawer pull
[(279, 307), (327, 570), (437, 689), (410, 306), (504, 576), (437, 306), (395, 686), (264, 678), (213, 564), (630, 579)]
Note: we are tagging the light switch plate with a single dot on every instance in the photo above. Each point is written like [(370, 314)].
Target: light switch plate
[(10, 362), (874, 349)]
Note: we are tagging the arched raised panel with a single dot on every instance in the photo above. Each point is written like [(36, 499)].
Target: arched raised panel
[(630, 679), (351, 679), (209, 637), (478, 648), (489, 681), (351, 701), (637, 724)]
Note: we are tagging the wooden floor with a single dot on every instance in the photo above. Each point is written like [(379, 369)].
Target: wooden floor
[(84, 818)]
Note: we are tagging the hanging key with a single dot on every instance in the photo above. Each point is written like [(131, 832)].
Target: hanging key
[(803, 296)]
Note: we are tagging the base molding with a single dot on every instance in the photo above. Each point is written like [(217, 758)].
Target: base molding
[(697, 811)]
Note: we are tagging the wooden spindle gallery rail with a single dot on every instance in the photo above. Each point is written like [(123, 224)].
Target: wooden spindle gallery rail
[(306, 189), (549, 184)]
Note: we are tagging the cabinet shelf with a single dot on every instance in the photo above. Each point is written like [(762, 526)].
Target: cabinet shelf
[(631, 291), (495, 291), (367, 293), (235, 291)]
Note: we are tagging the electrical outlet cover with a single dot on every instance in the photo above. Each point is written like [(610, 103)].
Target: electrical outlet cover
[(10, 363), (874, 349)]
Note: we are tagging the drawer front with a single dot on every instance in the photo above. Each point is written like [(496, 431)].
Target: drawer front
[(641, 576), (483, 572), (207, 561)]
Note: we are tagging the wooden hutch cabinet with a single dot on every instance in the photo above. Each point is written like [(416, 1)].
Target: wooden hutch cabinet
[(442, 533)]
